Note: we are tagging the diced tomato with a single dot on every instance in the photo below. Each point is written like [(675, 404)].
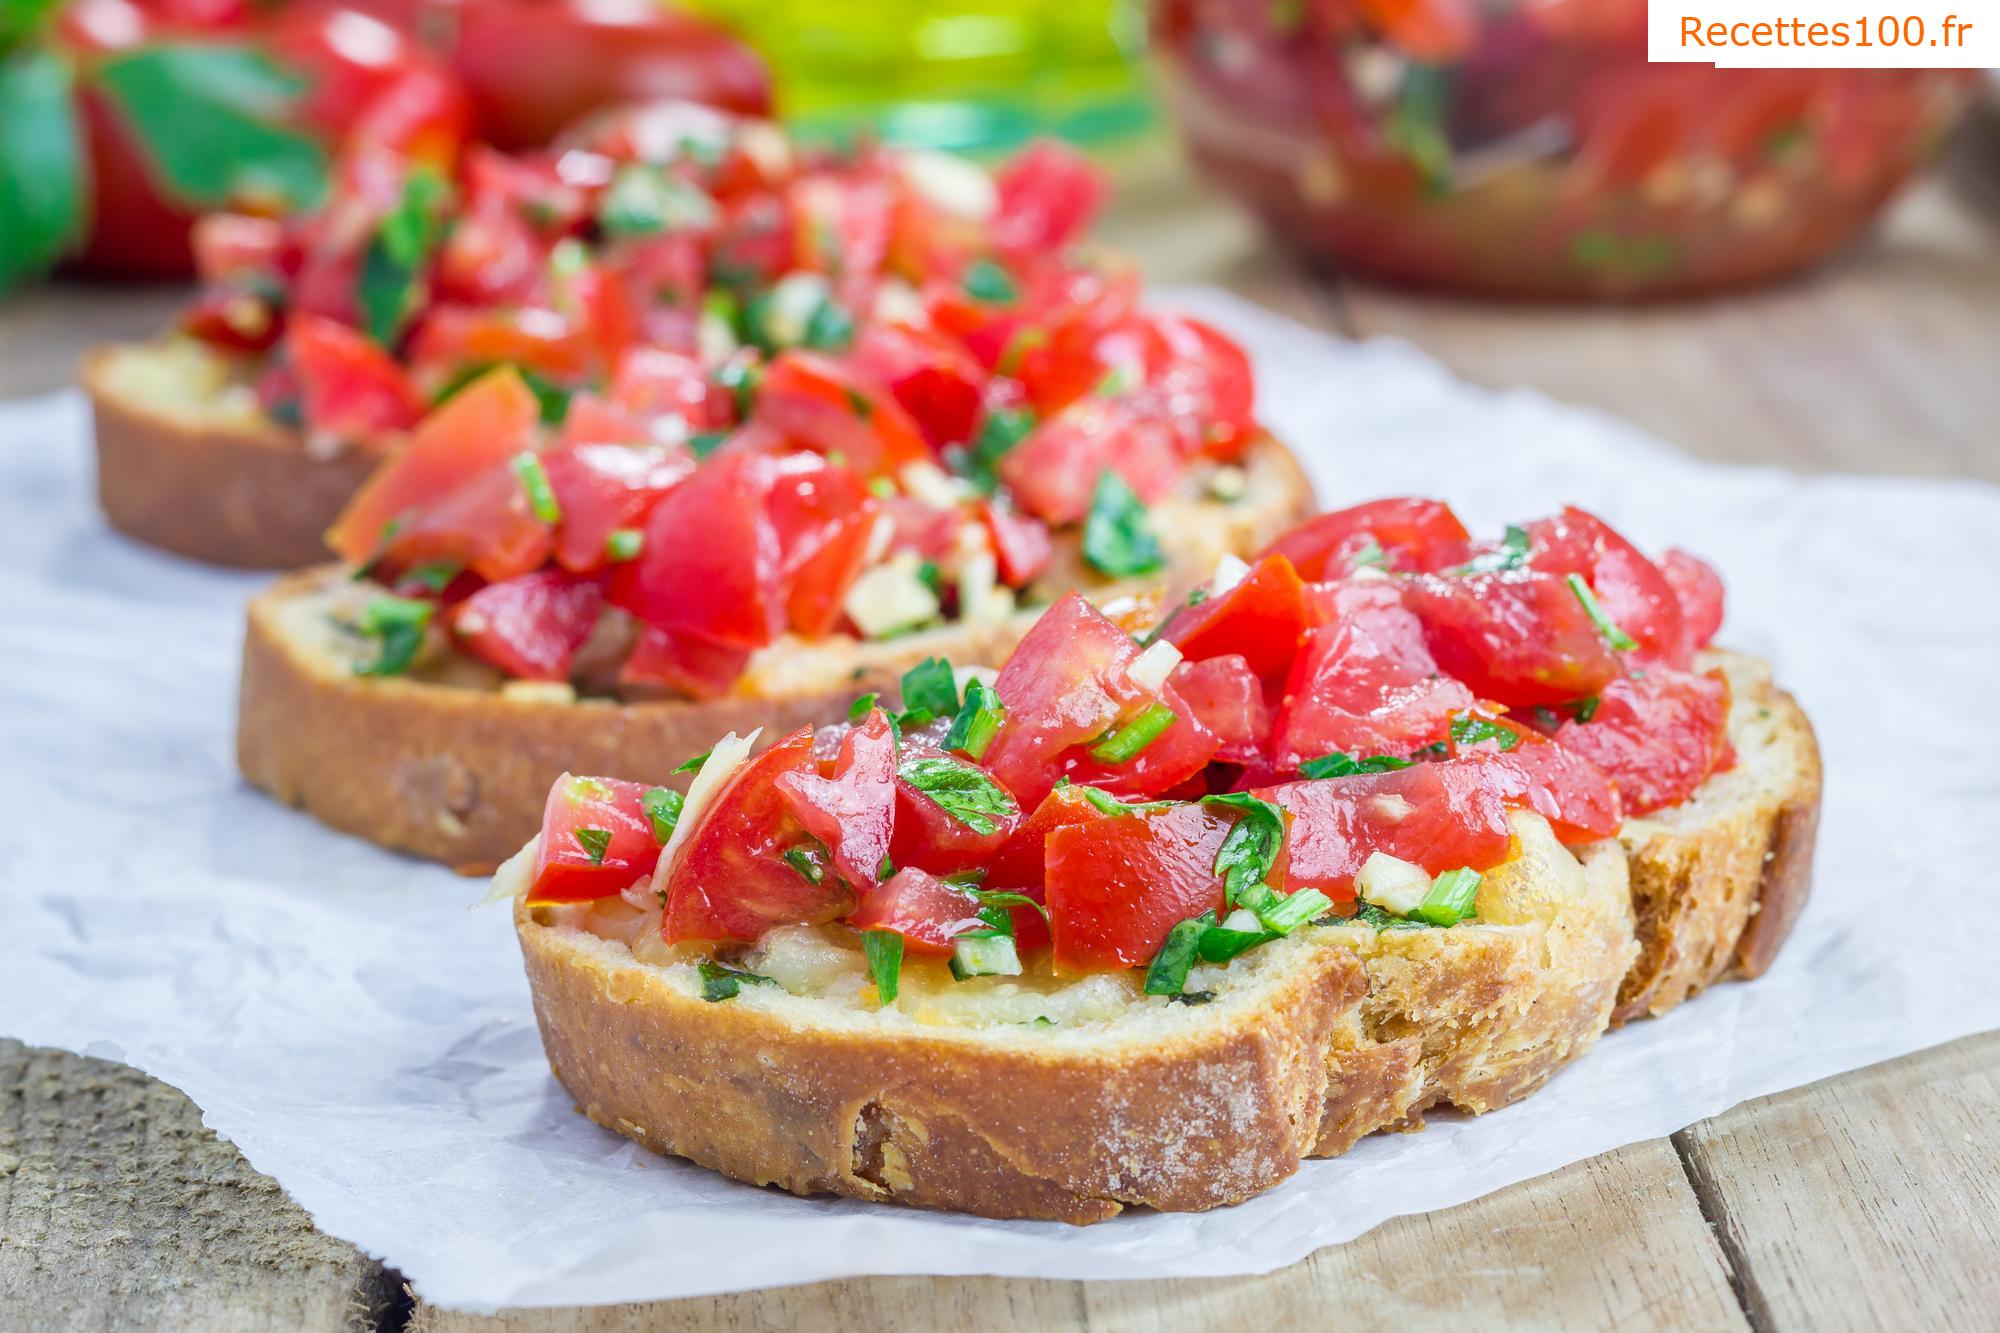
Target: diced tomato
[(1020, 863), (754, 240), (1699, 590), (601, 488), (729, 879), (530, 627), (934, 381), (1116, 886), (853, 809), (1431, 31), (1021, 544), (1261, 620), (823, 515), (929, 836), (480, 427), (1534, 773), (1203, 375), (232, 319), (241, 251), (840, 223), (1414, 534), (1053, 472), (655, 382), (1364, 683), (1066, 684), (1633, 592), (710, 562), (1520, 637), (1656, 737), (924, 530), (1225, 696), (815, 402), (452, 337), (1048, 195), (684, 661), (926, 911), (596, 840), (487, 525), (351, 387), (1439, 816)]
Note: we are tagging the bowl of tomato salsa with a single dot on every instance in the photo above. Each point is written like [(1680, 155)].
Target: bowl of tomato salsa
[(1527, 149)]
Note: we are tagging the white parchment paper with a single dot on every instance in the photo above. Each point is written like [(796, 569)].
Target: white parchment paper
[(362, 1036)]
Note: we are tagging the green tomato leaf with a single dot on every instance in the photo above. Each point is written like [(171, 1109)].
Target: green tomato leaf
[(214, 121), (41, 187)]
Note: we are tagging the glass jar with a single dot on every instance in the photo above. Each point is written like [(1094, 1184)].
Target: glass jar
[(1525, 148)]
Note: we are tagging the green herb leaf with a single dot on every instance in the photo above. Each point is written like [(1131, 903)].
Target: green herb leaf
[(1470, 729), (437, 575), (1250, 850), (595, 842), (1512, 553), (808, 860), (884, 951), (399, 622), (859, 402), (1453, 897), (1000, 430), (663, 807), (41, 188), (1373, 916), (1338, 765), (1415, 124), (1219, 944), (929, 687), (741, 378), (1116, 539), (705, 442), (720, 983), (1111, 805), (1370, 556), (624, 544), (1614, 636), (396, 256), (213, 120), (694, 765), (965, 793), (1586, 708), (978, 720), (1167, 974), (987, 281), (645, 201), (829, 328), (1123, 743), (858, 711), (534, 479)]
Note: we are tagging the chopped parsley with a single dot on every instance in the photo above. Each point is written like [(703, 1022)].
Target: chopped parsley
[(1338, 765), (930, 690), (399, 623), (1469, 729), (595, 842), (987, 281), (1116, 538), (1512, 553), (694, 765), (1617, 638), (961, 791), (720, 983), (1167, 974), (387, 287), (978, 720), (1251, 847), (884, 951), (663, 808)]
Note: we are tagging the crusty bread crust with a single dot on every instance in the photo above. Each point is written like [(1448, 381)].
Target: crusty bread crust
[(1718, 882), (239, 491), (1189, 1107)]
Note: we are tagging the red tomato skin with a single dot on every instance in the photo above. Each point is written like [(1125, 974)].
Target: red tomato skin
[(853, 809), (815, 402), (238, 250), (1048, 196), (729, 879), (1554, 781), (1022, 547), (351, 387), (1261, 620), (1657, 737), (823, 515), (1698, 588), (1416, 535), (452, 337), (483, 425), (1116, 886), (1521, 637), (1053, 472), (1364, 683), (602, 487), (1439, 816), (530, 627), (929, 837), (565, 871), (656, 382), (1203, 375), (1637, 597), (710, 562), (683, 661), (1225, 696), (937, 383), (925, 910), (485, 524)]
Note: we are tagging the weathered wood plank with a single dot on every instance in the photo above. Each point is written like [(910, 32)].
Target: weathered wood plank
[(1869, 1201), (118, 1209), (1617, 1241)]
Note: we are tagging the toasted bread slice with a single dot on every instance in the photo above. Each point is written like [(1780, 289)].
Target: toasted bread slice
[(1040, 1097), (452, 764), (1718, 880), (187, 462)]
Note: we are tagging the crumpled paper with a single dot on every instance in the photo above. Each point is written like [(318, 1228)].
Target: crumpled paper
[(345, 1018)]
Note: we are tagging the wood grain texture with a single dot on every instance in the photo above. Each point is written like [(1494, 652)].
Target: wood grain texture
[(118, 1209), (1614, 1242)]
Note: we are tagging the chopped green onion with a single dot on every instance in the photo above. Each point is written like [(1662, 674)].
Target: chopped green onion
[(1000, 431), (1452, 898), (884, 951), (595, 842), (1614, 636), (806, 860), (720, 983), (663, 807), (624, 544), (399, 622), (978, 720), (858, 711), (535, 481), (1338, 765), (1108, 804), (1123, 743), (929, 687), (1471, 729), (1167, 974), (694, 765), (987, 281), (1250, 850), (984, 956), (1116, 538), (961, 791), (1241, 932), (1293, 910), (990, 899)]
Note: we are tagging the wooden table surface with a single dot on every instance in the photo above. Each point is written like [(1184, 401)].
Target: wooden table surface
[(1870, 1200)]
